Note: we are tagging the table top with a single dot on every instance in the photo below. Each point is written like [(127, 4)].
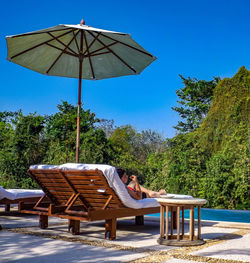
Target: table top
[(179, 201)]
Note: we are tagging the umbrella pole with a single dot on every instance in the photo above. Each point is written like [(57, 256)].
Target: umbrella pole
[(79, 99), (78, 112)]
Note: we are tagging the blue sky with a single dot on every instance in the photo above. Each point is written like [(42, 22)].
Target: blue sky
[(196, 38)]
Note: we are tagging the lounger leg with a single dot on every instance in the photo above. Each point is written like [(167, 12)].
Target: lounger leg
[(7, 207), (174, 219), (43, 221), (139, 220), (110, 228), (74, 226)]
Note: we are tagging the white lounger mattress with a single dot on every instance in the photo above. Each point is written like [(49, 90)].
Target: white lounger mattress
[(13, 194), (114, 181)]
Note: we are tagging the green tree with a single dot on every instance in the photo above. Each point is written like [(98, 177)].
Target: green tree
[(96, 148), (61, 135), (133, 149), (107, 126), (6, 147), (212, 162), (195, 100), (122, 140), (154, 168), (147, 142), (225, 135), (229, 111), (25, 147)]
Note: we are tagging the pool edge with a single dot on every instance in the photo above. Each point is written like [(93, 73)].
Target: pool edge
[(224, 224)]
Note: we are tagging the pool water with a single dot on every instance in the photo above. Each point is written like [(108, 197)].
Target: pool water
[(242, 216)]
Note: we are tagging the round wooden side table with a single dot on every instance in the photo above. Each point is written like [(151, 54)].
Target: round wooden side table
[(179, 239)]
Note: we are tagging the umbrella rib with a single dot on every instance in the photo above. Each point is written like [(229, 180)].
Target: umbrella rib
[(76, 41), (137, 49), (102, 53), (93, 52), (60, 55), (90, 62), (66, 52), (93, 41), (56, 38), (38, 45), (37, 33), (124, 62)]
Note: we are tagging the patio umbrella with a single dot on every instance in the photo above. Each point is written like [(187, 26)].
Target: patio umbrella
[(78, 51)]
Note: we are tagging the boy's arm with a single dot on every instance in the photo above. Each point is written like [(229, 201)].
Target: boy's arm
[(137, 187)]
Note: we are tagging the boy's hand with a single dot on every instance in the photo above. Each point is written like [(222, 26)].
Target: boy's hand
[(133, 178)]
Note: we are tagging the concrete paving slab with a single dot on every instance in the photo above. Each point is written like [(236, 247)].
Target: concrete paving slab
[(234, 249), (209, 232), (175, 260), (128, 234), (144, 236), (17, 220), (15, 247)]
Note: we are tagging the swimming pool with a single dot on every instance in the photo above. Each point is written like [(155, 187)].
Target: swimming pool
[(242, 216)]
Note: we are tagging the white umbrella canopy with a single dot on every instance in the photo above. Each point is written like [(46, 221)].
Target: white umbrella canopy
[(78, 51)]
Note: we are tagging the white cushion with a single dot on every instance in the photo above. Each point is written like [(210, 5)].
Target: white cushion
[(13, 194)]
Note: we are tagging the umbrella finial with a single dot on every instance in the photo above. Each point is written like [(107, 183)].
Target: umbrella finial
[(82, 22)]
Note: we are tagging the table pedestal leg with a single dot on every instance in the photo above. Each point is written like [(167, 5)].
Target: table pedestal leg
[(199, 222), (178, 223), (162, 210), (191, 224), (167, 222), (172, 221), (182, 221)]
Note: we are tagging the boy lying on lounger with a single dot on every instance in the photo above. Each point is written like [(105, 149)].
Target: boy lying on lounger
[(134, 188)]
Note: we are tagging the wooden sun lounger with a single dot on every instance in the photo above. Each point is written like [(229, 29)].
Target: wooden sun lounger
[(7, 202), (79, 196)]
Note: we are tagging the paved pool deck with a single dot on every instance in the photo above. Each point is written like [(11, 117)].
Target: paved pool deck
[(21, 240)]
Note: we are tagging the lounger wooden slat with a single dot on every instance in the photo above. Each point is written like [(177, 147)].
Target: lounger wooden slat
[(80, 196), (61, 190), (47, 171), (61, 193), (85, 177), (84, 182), (49, 176), (56, 185), (89, 187), (98, 200), (94, 196), (96, 190), (48, 180)]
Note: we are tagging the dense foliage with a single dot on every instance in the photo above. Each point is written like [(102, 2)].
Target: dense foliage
[(208, 159), (195, 100), (212, 161)]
